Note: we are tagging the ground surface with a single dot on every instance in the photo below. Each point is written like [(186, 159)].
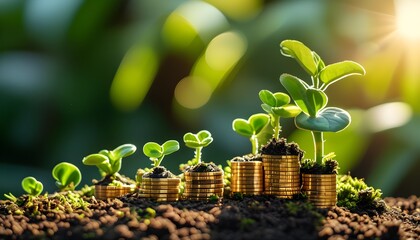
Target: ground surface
[(261, 217)]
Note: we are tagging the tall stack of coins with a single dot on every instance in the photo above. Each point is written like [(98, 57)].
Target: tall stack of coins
[(247, 177), (281, 175), (202, 185), (103, 192), (321, 189), (160, 189)]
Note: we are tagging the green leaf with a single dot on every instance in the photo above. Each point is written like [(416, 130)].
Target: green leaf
[(320, 64), (329, 119), (242, 127), (95, 159), (258, 122), (281, 99), (268, 98), (267, 108), (297, 89), (67, 175), (124, 150), (302, 54), (201, 139), (170, 146), (152, 150), (317, 100), (32, 186), (287, 111), (340, 70)]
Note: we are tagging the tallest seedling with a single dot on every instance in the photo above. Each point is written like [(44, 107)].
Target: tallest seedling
[(312, 99)]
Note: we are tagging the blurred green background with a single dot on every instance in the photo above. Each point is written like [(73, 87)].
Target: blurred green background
[(80, 76)]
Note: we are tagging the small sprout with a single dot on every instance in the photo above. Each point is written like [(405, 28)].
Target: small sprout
[(251, 128), (67, 176), (214, 198), (157, 152), (277, 105), (198, 141), (32, 186), (11, 197), (109, 162), (312, 99)]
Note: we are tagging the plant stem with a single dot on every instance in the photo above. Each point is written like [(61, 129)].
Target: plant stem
[(318, 146), (254, 142), (198, 154), (277, 127)]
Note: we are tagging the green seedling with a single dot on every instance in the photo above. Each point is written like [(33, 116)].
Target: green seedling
[(109, 162), (32, 186), (277, 105), (251, 128), (312, 99), (67, 176), (157, 152), (197, 142)]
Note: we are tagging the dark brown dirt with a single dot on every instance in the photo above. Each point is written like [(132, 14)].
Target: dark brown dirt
[(281, 147), (159, 172), (247, 158), (261, 217), (203, 167)]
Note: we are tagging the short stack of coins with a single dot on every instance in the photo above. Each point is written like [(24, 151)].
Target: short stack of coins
[(103, 192), (281, 175), (202, 185), (247, 177), (321, 189), (160, 189)]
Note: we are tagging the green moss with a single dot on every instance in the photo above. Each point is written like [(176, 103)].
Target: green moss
[(355, 195)]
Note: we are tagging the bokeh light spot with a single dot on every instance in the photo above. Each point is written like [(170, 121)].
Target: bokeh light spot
[(387, 116), (192, 92), (225, 50), (134, 78)]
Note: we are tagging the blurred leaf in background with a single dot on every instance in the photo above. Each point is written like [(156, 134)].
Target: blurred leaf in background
[(79, 76)]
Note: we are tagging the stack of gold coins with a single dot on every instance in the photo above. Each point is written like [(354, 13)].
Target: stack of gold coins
[(247, 177), (160, 189), (281, 175), (103, 192), (321, 189), (202, 185)]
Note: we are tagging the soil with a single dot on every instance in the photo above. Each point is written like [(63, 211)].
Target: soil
[(204, 167), (330, 166), (159, 172), (281, 147), (130, 217), (109, 179), (247, 158)]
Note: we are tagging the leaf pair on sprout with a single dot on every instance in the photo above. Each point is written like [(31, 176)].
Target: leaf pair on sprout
[(157, 152), (312, 99), (31, 186), (109, 162), (67, 176), (197, 141)]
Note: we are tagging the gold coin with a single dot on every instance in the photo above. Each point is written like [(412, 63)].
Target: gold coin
[(198, 198), (246, 164), (158, 195), (320, 188), (151, 191), (331, 177), (248, 192), (282, 169), (244, 190), (260, 170), (246, 186), (211, 178), (291, 189), (268, 187), (277, 157), (247, 179), (162, 180), (200, 174), (281, 193), (260, 184), (201, 195), (203, 186), (319, 198), (204, 182), (281, 173), (281, 179), (204, 190)]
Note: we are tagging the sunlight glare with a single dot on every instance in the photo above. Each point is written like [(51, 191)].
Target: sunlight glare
[(408, 18)]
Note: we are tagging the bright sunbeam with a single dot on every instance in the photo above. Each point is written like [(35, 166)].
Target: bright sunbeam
[(408, 18)]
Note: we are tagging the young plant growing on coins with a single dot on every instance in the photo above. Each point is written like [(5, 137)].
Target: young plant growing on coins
[(312, 99), (156, 153), (198, 141), (109, 164), (251, 128)]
